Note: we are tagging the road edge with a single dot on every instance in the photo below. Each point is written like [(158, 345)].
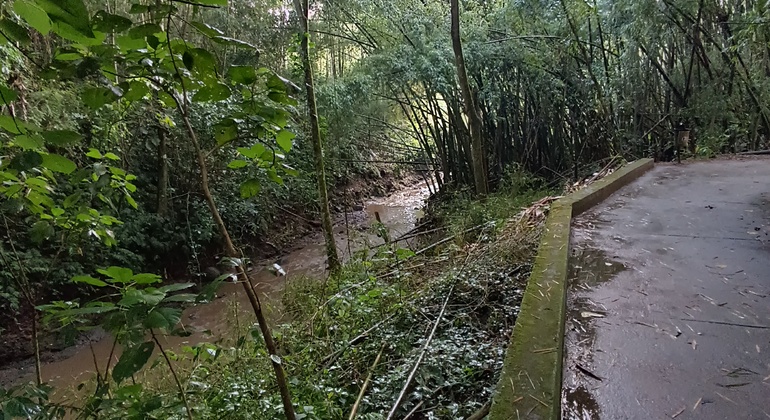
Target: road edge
[(530, 382)]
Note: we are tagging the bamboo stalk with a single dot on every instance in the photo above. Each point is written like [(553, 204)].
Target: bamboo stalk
[(366, 384), (420, 357)]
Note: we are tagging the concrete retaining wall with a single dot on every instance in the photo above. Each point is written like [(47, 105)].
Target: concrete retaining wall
[(530, 383)]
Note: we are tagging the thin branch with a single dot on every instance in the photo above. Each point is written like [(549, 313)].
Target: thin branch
[(366, 384), (182, 393), (420, 357), (193, 3)]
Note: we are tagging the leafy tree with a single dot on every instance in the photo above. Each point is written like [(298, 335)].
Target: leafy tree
[(303, 9)]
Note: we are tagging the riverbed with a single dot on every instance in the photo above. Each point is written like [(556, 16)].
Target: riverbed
[(354, 231)]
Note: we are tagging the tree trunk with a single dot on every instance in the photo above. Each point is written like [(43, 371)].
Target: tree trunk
[(162, 170), (315, 134), (471, 110), (232, 252)]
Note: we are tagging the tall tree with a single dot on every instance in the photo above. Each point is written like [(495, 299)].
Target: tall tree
[(303, 10), (471, 108)]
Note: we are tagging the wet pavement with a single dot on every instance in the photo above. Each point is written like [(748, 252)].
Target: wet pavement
[(668, 310)]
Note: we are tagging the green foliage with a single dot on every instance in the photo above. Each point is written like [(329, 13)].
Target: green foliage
[(461, 212), (98, 107)]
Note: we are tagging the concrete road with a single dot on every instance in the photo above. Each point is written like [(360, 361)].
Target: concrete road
[(669, 303)]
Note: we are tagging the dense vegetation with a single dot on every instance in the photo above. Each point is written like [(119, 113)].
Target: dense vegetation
[(138, 140)]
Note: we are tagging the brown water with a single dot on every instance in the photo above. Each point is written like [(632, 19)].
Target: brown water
[(214, 321)]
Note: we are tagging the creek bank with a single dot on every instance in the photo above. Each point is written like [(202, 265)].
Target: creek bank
[(67, 366), (286, 235)]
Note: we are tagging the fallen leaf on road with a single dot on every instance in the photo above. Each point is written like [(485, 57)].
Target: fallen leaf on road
[(588, 314), (588, 372), (734, 385), (675, 415)]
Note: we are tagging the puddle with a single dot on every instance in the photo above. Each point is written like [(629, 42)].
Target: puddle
[(217, 320), (589, 268), (579, 404)]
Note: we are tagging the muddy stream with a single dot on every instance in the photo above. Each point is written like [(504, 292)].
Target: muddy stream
[(213, 321)]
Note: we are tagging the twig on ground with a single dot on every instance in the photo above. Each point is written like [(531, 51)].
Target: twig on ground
[(406, 236), (481, 412), (414, 410), (420, 357), (366, 384), (328, 360), (445, 240)]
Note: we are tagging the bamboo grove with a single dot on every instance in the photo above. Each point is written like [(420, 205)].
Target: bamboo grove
[(562, 83)]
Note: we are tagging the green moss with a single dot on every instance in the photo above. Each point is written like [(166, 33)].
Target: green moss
[(530, 383)]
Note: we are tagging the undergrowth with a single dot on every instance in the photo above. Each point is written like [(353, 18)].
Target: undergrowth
[(382, 305)]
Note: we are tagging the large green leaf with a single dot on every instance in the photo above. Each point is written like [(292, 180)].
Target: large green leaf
[(33, 15), (175, 287), (136, 91), (225, 131), (11, 125), (284, 139), (26, 161), (28, 142), (146, 278), (181, 298), (256, 150), (238, 164), (143, 31), (132, 360), (273, 175), (207, 29), (165, 318), (243, 74), (117, 274), (137, 8), (7, 96), (205, 62), (14, 32), (96, 97), (89, 280), (58, 163), (107, 22), (212, 93), (127, 43), (148, 296), (250, 188), (188, 60), (166, 99), (70, 12), (61, 137), (66, 31)]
